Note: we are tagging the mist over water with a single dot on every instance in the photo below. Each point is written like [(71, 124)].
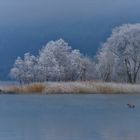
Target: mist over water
[(27, 25)]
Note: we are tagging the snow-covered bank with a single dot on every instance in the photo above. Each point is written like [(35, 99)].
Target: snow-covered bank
[(87, 87)]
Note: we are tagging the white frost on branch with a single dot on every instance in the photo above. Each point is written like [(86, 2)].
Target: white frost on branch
[(119, 57), (56, 62)]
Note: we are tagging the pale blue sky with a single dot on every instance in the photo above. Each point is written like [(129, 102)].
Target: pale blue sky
[(46, 10)]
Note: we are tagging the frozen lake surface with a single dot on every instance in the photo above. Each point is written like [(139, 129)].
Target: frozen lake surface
[(69, 117)]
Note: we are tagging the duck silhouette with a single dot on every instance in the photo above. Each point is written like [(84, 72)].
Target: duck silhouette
[(131, 105)]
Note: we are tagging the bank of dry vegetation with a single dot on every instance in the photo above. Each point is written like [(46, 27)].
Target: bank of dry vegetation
[(87, 87)]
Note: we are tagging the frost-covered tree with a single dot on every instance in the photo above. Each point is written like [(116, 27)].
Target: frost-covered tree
[(87, 69), (30, 63), (77, 67), (56, 61), (82, 67), (60, 62), (105, 63), (17, 72), (24, 69), (119, 56)]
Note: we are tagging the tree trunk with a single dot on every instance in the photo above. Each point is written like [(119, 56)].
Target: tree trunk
[(129, 75)]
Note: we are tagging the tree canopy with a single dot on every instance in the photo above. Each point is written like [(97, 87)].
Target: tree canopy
[(120, 54)]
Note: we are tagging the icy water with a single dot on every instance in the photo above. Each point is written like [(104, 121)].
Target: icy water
[(69, 117)]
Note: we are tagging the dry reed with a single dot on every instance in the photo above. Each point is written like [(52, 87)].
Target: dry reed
[(89, 87)]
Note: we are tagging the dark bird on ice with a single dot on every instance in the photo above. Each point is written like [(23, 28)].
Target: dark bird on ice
[(131, 105)]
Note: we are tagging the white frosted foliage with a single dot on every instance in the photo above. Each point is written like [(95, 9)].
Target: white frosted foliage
[(56, 61)]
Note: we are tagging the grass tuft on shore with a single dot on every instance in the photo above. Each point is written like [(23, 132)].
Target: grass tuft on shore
[(30, 88)]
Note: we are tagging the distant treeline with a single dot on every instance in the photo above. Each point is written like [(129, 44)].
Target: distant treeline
[(118, 59)]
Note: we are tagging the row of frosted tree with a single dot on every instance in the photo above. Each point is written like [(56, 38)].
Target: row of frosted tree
[(118, 59), (56, 61)]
